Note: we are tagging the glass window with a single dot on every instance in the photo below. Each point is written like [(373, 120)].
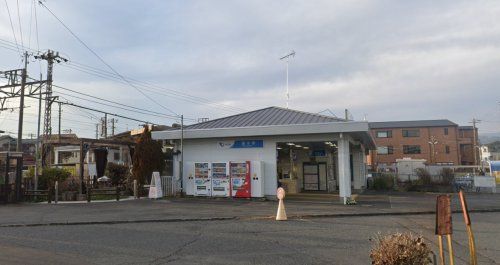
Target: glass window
[(445, 131), (447, 149), (385, 150), (384, 134), (116, 156), (411, 149), (411, 133)]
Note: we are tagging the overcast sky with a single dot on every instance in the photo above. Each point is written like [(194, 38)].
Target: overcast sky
[(386, 60)]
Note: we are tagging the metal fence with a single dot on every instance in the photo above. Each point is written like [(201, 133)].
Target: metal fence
[(168, 186)]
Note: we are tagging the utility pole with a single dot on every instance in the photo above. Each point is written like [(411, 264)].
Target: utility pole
[(38, 153), (181, 169), (474, 144), (287, 58), (104, 126), (97, 130), (59, 122), (51, 57), (113, 127), (21, 105)]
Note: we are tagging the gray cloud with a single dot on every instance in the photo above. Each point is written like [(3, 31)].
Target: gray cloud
[(391, 60)]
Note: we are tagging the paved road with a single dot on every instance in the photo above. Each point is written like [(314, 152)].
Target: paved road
[(303, 241), (196, 208)]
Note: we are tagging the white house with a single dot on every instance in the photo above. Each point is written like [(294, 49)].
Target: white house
[(303, 152)]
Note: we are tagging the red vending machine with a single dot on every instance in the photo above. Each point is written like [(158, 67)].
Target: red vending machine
[(240, 179)]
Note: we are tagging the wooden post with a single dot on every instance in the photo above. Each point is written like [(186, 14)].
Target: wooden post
[(89, 196), (441, 250), (56, 192), (450, 249), (472, 245), (49, 194), (444, 225), (136, 194)]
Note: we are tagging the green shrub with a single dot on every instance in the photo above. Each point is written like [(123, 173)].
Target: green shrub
[(424, 176), (447, 176), (51, 175), (117, 173), (383, 182)]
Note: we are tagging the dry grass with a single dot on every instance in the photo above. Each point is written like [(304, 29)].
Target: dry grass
[(399, 249)]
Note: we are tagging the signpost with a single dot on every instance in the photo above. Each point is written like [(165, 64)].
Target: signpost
[(444, 225), (155, 189)]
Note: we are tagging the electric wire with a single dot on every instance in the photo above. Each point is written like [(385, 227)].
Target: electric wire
[(20, 25), (12, 27), (145, 85), (104, 62), (139, 110)]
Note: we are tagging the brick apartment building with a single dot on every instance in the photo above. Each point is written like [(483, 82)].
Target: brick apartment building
[(439, 142)]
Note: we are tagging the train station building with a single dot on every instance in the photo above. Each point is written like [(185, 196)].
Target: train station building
[(251, 154)]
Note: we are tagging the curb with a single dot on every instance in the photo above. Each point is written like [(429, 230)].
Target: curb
[(123, 222), (210, 219), (383, 214)]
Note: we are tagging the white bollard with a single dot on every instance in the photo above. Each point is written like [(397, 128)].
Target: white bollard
[(281, 214)]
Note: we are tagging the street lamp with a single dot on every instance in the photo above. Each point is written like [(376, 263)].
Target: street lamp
[(433, 143)]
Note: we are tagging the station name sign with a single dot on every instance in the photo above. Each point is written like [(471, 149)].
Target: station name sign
[(241, 144)]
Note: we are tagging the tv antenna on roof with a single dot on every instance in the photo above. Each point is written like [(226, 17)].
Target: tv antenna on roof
[(287, 58)]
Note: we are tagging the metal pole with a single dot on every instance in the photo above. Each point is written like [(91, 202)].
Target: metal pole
[(59, 123), (105, 125), (287, 91), (181, 169), (19, 147), (38, 153)]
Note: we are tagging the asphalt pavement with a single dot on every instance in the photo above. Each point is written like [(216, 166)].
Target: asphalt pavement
[(343, 240), (320, 230)]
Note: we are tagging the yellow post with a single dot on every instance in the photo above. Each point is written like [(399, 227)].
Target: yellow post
[(441, 251), (450, 249), (472, 245)]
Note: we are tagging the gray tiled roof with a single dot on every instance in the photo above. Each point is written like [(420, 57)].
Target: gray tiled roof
[(411, 124), (265, 117)]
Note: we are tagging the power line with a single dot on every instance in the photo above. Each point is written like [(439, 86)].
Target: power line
[(109, 101), (12, 26), (104, 62), (162, 116), (154, 86), (145, 85), (20, 25)]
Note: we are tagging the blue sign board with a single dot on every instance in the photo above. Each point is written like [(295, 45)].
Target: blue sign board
[(248, 144), (319, 153)]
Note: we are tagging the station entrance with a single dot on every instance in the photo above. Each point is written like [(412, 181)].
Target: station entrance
[(307, 167)]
